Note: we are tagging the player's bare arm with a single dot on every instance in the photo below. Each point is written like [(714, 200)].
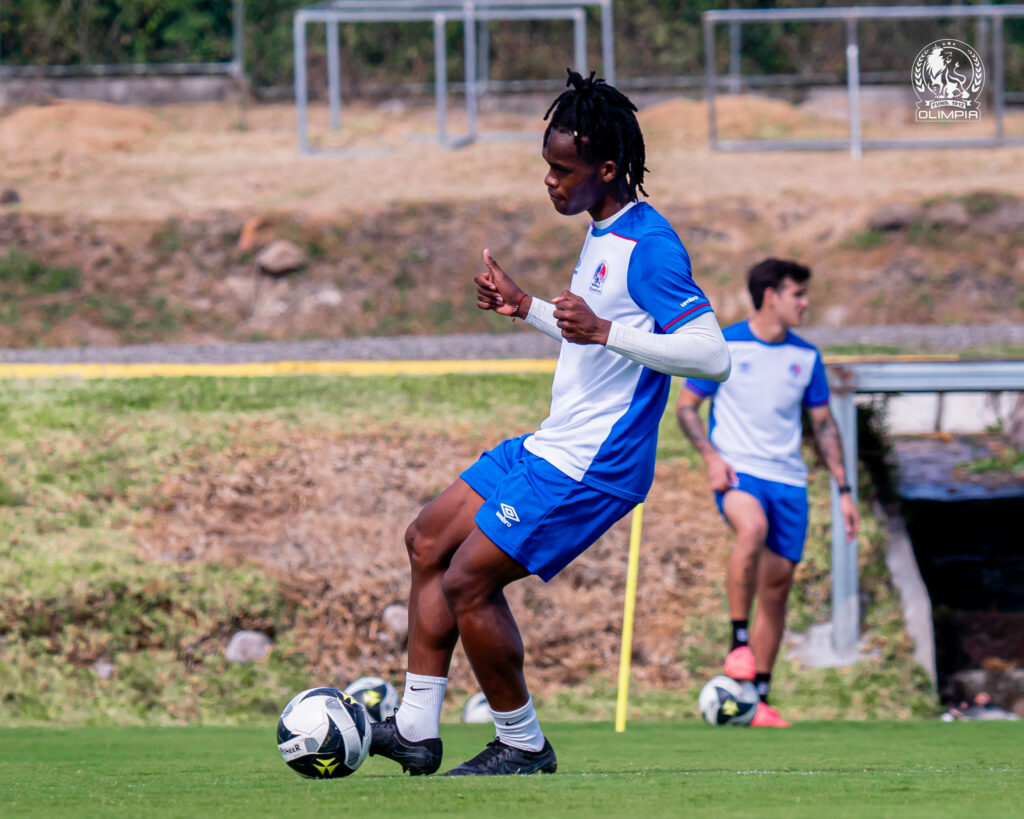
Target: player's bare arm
[(720, 475), (826, 433)]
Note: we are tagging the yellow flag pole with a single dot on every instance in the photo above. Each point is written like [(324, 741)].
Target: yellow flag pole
[(629, 607)]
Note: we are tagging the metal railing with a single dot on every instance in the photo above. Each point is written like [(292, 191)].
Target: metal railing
[(439, 13), (850, 17), (846, 381)]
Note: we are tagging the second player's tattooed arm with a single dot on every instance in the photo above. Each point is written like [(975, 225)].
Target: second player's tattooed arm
[(721, 476), (826, 433), (691, 424)]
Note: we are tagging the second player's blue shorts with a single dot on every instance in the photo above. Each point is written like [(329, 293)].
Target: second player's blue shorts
[(785, 507), (536, 514)]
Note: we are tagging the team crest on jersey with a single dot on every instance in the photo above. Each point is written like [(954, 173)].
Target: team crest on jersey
[(794, 368), (597, 281)]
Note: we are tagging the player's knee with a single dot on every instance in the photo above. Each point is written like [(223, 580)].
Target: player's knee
[(422, 547), (751, 533), (462, 589)]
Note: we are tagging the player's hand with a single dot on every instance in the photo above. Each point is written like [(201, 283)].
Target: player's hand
[(578, 322), (851, 518), (496, 291), (721, 476)]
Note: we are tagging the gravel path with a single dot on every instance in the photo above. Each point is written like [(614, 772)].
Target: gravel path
[(521, 343)]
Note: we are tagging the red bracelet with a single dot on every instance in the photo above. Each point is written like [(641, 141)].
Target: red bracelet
[(518, 303)]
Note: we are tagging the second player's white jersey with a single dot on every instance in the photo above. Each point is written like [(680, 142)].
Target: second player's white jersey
[(755, 419)]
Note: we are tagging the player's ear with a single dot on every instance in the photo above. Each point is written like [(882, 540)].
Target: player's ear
[(609, 170)]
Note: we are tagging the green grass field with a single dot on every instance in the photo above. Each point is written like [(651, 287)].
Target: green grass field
[(655, 769)]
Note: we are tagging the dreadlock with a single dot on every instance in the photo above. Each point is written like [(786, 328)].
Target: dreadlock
[(603, 123)]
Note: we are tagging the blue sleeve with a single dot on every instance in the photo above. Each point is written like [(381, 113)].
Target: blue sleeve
[(702, 387), (660, 281), (817, 394)]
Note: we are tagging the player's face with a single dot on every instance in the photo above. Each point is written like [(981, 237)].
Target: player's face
[(573, 184), (791, 302)]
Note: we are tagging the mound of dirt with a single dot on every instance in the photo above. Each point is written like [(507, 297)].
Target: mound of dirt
[(326, 515), (77, 127), (687, 120)]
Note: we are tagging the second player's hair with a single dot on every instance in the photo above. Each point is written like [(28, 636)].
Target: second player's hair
[(603, 123), (770, 273)]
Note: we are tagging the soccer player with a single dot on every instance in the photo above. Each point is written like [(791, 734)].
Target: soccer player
[(754, 463), (631, 316)]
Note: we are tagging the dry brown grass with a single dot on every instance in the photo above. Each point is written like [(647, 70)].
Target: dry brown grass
[(102, 161)]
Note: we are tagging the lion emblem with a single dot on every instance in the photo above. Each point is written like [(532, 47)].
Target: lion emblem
[(945, 81), (948, 77)]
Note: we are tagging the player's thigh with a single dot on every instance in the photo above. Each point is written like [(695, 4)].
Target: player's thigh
[(478, 569), (745, 514), (775, 576), (442, 525)]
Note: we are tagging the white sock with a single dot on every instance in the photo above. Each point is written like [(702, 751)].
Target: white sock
[(519, 728), (419, 715)]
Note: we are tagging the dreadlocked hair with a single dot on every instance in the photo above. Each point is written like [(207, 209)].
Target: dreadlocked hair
[(602, 121)]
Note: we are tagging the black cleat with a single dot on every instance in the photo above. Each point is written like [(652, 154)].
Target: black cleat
[(499, 759), (418, 758)]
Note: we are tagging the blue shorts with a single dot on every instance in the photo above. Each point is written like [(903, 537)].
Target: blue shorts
[(536, 514), (785, 507)]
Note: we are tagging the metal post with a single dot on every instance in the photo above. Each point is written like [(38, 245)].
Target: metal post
[(710, 80), (998, 91), (608, 41), (853, 86), (441, 77), (301, 93), (238, 39), (483, 56), (469, 39), (579, 40), (333, 75), (845, 595), (734, 57)]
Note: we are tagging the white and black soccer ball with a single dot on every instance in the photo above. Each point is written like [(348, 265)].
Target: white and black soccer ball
[(378, 695), (725, 701), (476, 709), (324, 733)]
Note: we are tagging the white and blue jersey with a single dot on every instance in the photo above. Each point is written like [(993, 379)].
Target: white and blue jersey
[(605, 409), (755, 416)]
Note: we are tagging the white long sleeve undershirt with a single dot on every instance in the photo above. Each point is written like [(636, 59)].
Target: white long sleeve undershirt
[(695, 350)]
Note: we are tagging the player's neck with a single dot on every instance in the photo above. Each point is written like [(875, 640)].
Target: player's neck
[(768, 327), (606, 209)]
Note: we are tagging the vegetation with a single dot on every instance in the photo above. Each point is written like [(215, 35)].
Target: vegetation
[(655, 769), (664, 37), (83, 465)]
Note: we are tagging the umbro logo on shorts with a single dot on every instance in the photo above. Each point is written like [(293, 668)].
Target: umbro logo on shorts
[(507, 515)]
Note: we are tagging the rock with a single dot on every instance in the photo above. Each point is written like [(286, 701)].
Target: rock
[(9, 196), (250, 237), (948, 214), (280, 257), (396, 618), (895, 217), (247, 646), (835, 316), (104, 669)]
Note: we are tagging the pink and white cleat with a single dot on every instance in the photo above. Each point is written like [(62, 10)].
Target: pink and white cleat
[(768, 717), (739, 664)]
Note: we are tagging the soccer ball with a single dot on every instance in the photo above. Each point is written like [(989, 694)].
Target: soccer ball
[(476, 709), (379, 696), (725, 701), (324, 733)]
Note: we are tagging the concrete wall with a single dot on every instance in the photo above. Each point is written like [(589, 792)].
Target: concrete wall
[(957, 413), (122, 90)]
